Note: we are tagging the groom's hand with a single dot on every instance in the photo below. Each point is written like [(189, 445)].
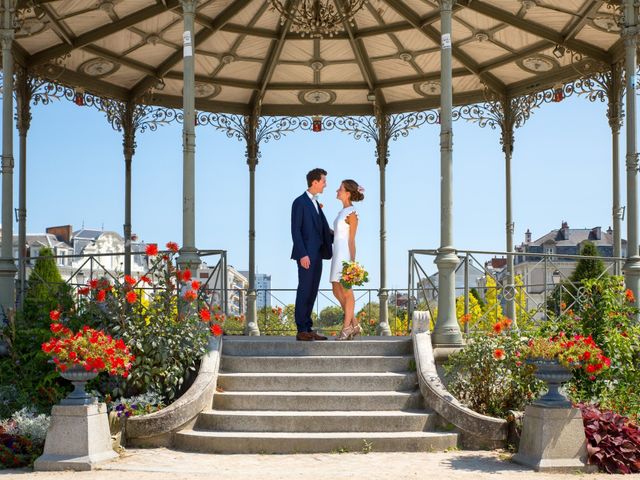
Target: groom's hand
[(305, 262)]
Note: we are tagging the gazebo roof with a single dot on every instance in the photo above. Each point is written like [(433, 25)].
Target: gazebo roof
[(132, 49)]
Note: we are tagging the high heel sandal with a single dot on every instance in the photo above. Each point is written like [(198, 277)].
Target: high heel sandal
[(357, 330), (345, 334)]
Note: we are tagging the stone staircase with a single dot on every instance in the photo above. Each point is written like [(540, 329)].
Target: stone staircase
[(276, 395)]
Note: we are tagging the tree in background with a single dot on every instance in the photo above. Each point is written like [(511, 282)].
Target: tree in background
[(46, 291), (493, 309)]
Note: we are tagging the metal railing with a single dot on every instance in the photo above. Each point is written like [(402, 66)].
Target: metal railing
[(543, 285), (276, 316), (77, 270)]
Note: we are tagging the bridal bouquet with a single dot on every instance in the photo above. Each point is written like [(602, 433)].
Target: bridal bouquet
[(353, 274)]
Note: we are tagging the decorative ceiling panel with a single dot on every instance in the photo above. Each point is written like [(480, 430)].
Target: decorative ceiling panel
[(341, 73), (511, 74), (297, 50), (413, 40), (241, 70), (126, 47), (401, 94), (392, 68), (152, 55), (292, 73), (254, 47), (484, 51), (331, 50), (122, 9), (380, 45)]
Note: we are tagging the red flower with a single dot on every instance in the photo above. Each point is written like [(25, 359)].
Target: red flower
[(190, 295), (131, 296), (101, 295), (152, 249), (56, 327), (216, 330), (173, 246), (591, 368), (186, 275), (54, 315), (205, 314), (465, 318), (629, 295), (497, 327), (84, 291), (93, 284), (130, 280), (518, 363), (195, 285), (145, 279), (498, 354)]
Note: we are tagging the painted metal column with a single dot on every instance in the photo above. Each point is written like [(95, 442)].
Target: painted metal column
[(507, 148), (614, 114), (23, 97), (188, 253), (446, 331), (382, 152), (251, 128), (7, 264), (129, 149), (632, 265)]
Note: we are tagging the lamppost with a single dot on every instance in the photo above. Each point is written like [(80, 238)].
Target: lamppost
[(556, 276)]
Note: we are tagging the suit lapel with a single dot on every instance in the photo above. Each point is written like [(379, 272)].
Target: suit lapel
[(314, 213)]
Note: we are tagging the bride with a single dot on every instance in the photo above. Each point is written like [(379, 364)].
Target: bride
[(344, 249)]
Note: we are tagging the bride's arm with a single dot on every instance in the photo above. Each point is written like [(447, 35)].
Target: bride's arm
[(352, 220)]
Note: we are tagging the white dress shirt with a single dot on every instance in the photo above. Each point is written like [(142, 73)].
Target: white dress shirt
[(315, 201)]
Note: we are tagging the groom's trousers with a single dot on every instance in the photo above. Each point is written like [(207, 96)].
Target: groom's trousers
[(308, 283)]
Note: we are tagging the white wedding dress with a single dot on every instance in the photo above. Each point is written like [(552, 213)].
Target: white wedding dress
[(340, 243)]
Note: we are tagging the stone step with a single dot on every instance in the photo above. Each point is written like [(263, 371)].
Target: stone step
[(309, 401), (315, 421), (288, 346), (340, 363), (316, 382), (270, 442)]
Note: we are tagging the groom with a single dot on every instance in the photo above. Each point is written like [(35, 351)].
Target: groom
[(312, 240)]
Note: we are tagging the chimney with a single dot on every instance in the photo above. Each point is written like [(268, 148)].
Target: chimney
[(564, 231), (610, 231), (527, 236), (62, 233), (596, 233)]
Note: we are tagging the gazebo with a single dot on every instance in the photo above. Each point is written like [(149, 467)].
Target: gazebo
[(373, 68)]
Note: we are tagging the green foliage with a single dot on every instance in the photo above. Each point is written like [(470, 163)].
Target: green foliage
[(277, 321), (46, 291), (331, 316), (489, 376), (27, 369), (586, 269), (167, 344)]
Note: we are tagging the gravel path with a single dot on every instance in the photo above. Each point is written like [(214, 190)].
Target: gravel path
[(164, 464)]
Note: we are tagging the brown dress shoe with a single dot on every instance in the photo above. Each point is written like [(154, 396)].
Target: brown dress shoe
[(304, 337), (317, 336)]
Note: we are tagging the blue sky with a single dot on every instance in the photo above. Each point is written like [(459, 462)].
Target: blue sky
[(561, 171)]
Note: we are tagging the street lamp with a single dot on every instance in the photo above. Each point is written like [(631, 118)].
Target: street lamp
[(556, 276)]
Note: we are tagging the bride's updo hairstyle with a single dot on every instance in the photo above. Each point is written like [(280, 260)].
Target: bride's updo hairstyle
[(356, 191)]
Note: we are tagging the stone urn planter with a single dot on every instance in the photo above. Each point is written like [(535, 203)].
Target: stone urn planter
[(554, 375), (78, 376)]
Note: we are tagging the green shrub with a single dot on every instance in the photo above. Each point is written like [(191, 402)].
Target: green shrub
[(489, 375)]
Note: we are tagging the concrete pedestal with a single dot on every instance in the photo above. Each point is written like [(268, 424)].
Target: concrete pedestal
[(553, 440), (78, 438)]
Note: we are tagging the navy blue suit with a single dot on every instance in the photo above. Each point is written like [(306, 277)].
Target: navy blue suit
[(311, 237)]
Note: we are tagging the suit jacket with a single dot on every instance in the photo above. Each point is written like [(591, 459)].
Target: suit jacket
[(309, 230)]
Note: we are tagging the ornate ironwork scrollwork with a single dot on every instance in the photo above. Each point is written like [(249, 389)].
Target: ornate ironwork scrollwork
[(500, 112)]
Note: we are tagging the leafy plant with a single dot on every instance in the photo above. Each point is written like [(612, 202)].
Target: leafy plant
[(489, 375), (613, 443)]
